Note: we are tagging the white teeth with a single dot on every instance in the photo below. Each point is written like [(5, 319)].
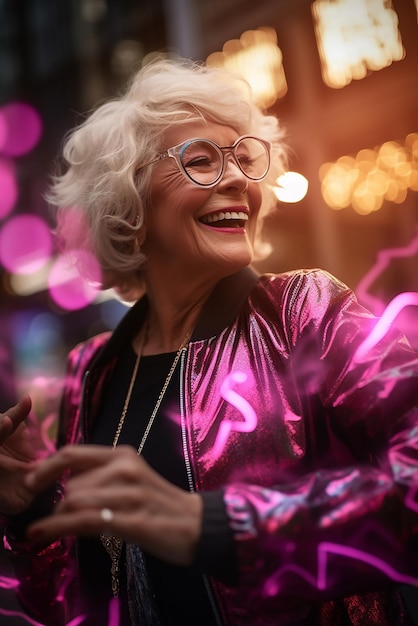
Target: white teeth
[(227, 215)]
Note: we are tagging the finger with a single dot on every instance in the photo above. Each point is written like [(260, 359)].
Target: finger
[(75, 458), (118, 497), (118, 469), (6, 427), (84, 523), (11, 419)]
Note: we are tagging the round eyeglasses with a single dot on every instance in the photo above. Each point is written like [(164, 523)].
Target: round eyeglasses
[(203, 161)]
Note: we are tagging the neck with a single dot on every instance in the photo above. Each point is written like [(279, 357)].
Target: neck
[(172, 316)]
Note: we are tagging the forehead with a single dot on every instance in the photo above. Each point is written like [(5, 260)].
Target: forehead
[(222, 135)]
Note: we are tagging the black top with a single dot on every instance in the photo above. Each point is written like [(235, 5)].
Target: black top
[(180, 593)]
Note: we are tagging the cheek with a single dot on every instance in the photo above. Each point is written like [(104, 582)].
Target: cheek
[(171, 191), (254, 197)]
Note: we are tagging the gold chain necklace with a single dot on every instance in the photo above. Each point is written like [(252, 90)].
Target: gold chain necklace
[(112, 543)]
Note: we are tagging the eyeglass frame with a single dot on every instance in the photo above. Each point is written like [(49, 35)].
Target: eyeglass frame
[(175, 153)]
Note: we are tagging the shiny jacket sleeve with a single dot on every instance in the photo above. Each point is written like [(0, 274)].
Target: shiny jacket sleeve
[(46, 573), (349, 521)]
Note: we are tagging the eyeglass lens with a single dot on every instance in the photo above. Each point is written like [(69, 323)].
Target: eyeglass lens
[(203, 161)]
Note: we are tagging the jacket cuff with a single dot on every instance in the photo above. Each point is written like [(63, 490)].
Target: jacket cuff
[(215, 553)]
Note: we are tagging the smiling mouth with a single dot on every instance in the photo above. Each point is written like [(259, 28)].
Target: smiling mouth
[(229, 219)]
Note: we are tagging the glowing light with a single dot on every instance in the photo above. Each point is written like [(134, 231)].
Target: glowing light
[(8, 186), (355, 37), (410, 500), (291, 187), (320, 581), (384, 259), (26, 285), (372, 176), (246, 410), (114, 612), (22, 128), (67, 288), (8, 583), (25, 244), (20, 615), (384, 323), (257, 57)]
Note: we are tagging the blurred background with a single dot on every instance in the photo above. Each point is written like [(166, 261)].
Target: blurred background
[(341, 75)]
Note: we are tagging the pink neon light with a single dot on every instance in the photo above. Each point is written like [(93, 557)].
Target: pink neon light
[(246, 410), (384, 258), (319, 581), (411, 498), (20, 615), (114, 614), (77, 620), (8, 583), (382, 326)]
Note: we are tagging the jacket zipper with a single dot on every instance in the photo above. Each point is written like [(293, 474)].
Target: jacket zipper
[(190, 480)]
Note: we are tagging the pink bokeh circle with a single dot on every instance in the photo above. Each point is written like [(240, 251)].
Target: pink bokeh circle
[(20, 128), (67, 288), (8, 187), (25, 244)]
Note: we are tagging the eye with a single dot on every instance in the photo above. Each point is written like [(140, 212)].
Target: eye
[(245, 159), (199, 155), (198, 161)]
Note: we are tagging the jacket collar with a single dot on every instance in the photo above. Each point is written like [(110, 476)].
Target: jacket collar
[(220, 309)]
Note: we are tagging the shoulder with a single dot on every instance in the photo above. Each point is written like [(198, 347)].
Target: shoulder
[(301, 278), (308, 284), (83, 353), (303, 295)]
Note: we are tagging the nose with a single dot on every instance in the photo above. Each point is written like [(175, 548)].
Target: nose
[(232, 176)]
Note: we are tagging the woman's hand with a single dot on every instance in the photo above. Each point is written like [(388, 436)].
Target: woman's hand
[(20, 446), (147, 510)]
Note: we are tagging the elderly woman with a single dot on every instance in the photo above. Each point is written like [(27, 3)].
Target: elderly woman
[(244, 460)]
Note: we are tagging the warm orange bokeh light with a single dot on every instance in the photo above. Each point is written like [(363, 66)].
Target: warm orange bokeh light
[(372, 176), (257, 57), (355, 37)]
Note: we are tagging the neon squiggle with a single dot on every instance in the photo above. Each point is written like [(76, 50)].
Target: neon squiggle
[(8, 583), (383, 324), (244, 407), (320, 581), (10, 613), (28, 620), (410, 498), (384, 258)]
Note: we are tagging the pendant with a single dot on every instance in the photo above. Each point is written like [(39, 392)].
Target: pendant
[(113, 547)]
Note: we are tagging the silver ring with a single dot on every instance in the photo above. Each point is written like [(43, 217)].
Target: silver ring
[(107, 515)]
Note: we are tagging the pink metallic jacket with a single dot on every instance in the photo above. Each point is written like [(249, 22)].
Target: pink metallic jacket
[(315, 447)]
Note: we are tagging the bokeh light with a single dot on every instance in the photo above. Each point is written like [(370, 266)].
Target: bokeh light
[(291, 187), (372, 176), (8, 186), (25, 244), (355, 38), (256, 56), (67, 288), (20, 128)]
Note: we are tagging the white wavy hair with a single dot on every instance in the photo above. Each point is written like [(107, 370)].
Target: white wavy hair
[(101, 183)]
